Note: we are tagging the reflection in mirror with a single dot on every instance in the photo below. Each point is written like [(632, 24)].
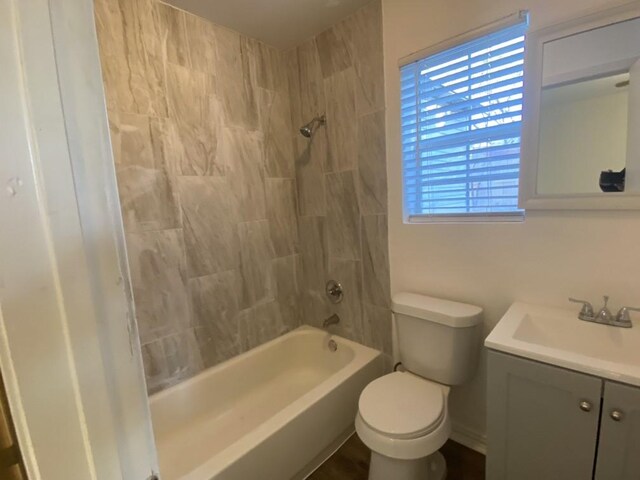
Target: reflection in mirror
[(583, 132)]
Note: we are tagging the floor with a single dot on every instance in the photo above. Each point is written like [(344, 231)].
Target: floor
[(351, 462)]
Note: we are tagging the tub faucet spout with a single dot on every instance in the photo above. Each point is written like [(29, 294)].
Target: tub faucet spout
[(332, 320)]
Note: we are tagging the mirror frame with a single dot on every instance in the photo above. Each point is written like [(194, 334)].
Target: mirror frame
[(529, 199)]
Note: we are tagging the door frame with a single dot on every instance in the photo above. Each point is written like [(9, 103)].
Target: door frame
[(69, 347)]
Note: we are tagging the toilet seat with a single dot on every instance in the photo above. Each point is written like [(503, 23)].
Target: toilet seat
[(402, 405), (403, 416)]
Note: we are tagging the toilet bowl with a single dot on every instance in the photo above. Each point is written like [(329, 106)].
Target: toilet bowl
[(403, 417), (404, 420)]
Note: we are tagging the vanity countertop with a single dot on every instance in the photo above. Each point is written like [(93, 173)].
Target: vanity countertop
[(556, 336)]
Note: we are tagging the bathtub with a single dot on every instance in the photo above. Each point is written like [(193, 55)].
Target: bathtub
[(273, 413)]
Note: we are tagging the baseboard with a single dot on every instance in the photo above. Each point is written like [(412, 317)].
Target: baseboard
[(469, 438)]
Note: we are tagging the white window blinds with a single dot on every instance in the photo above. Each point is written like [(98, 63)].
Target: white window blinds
[(461, 111)]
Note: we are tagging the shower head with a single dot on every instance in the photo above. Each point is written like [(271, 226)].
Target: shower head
[(308, 129)]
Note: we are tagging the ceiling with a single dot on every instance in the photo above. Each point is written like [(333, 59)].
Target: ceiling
[(586, 89), (281, 23)]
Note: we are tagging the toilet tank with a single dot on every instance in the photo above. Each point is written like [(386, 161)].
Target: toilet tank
[(438, 339)]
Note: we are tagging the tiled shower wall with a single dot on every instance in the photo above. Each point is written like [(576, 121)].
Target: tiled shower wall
[(201, 131), (341, 176), (234, 222)]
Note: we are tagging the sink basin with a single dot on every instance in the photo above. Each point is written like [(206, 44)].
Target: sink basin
[(556, 336)]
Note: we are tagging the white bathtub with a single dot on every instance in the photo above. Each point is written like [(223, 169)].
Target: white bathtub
[(273, 413)]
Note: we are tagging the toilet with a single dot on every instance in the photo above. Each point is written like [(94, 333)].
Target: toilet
[(403, 416)]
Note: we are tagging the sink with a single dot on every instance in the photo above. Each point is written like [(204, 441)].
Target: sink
[(556, 336)]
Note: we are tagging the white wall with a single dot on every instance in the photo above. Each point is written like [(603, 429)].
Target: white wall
[(543, 260)]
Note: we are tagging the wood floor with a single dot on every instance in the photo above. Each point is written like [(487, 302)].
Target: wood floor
[(351, 462)]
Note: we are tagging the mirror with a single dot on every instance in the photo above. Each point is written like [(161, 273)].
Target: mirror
[(580, 145), (583, 132)]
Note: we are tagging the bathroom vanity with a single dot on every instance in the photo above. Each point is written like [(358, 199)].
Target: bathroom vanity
[(563, 397)]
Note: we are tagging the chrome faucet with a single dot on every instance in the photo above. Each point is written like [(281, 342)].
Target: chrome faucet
[(604, 315), (332, 320)]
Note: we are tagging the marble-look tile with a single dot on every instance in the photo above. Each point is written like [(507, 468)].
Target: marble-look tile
[(141, 28), (282, 216), (173, 34), (228, 51), (155, 366), (242, 152), (343, 216), (215, 305), (309, 66), (137, 140), (137, 65), (293, 81), (315, 307), (310, 85), (311, 158), (195, 125), (233, 84), (256, 253), (111, 45), (158, 275), (315, 252), (348, 274), (264, 65), (372, 165), (341, 120), (287, 273), (377, 326), (333, 50), (209, 218), (275, 121), (375, 260), (147, 199), (259, 324), (113, 118), (365, 46), (182, 357), (201, 43), (231, 142)]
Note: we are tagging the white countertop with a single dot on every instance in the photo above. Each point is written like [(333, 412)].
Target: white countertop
[(556, 336)]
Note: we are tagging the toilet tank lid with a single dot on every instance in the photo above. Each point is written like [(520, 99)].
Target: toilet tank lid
[(446, 312)]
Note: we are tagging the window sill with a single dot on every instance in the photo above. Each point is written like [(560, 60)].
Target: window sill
[(467, 218)]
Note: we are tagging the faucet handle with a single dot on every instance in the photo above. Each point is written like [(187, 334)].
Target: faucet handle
[(623, 315), (586, 313)]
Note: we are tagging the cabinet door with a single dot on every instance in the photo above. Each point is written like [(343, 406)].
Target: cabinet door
[(619, 446), (536, 426)]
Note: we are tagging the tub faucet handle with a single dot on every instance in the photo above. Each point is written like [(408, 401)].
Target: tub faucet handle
[(334, 291)]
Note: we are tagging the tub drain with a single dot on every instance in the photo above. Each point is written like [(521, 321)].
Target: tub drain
[(333, 346)]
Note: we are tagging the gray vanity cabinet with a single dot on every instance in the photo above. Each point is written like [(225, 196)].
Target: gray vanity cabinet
[(542, 421), (619, 445), (545, 422)]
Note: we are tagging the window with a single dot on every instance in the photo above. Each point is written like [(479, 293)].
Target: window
[(461, 112)]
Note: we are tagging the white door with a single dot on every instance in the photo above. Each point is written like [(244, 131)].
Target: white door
[(69, 352)]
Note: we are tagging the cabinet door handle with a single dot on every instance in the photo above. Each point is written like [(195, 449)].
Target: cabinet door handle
[(616, 415), (585, 406)]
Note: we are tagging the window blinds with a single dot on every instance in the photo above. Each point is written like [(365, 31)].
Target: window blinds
[(461, 112)]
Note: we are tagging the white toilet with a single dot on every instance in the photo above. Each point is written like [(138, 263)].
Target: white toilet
[(403, 416)]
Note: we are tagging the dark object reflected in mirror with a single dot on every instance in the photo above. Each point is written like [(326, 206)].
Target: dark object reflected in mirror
[(611, 181)]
